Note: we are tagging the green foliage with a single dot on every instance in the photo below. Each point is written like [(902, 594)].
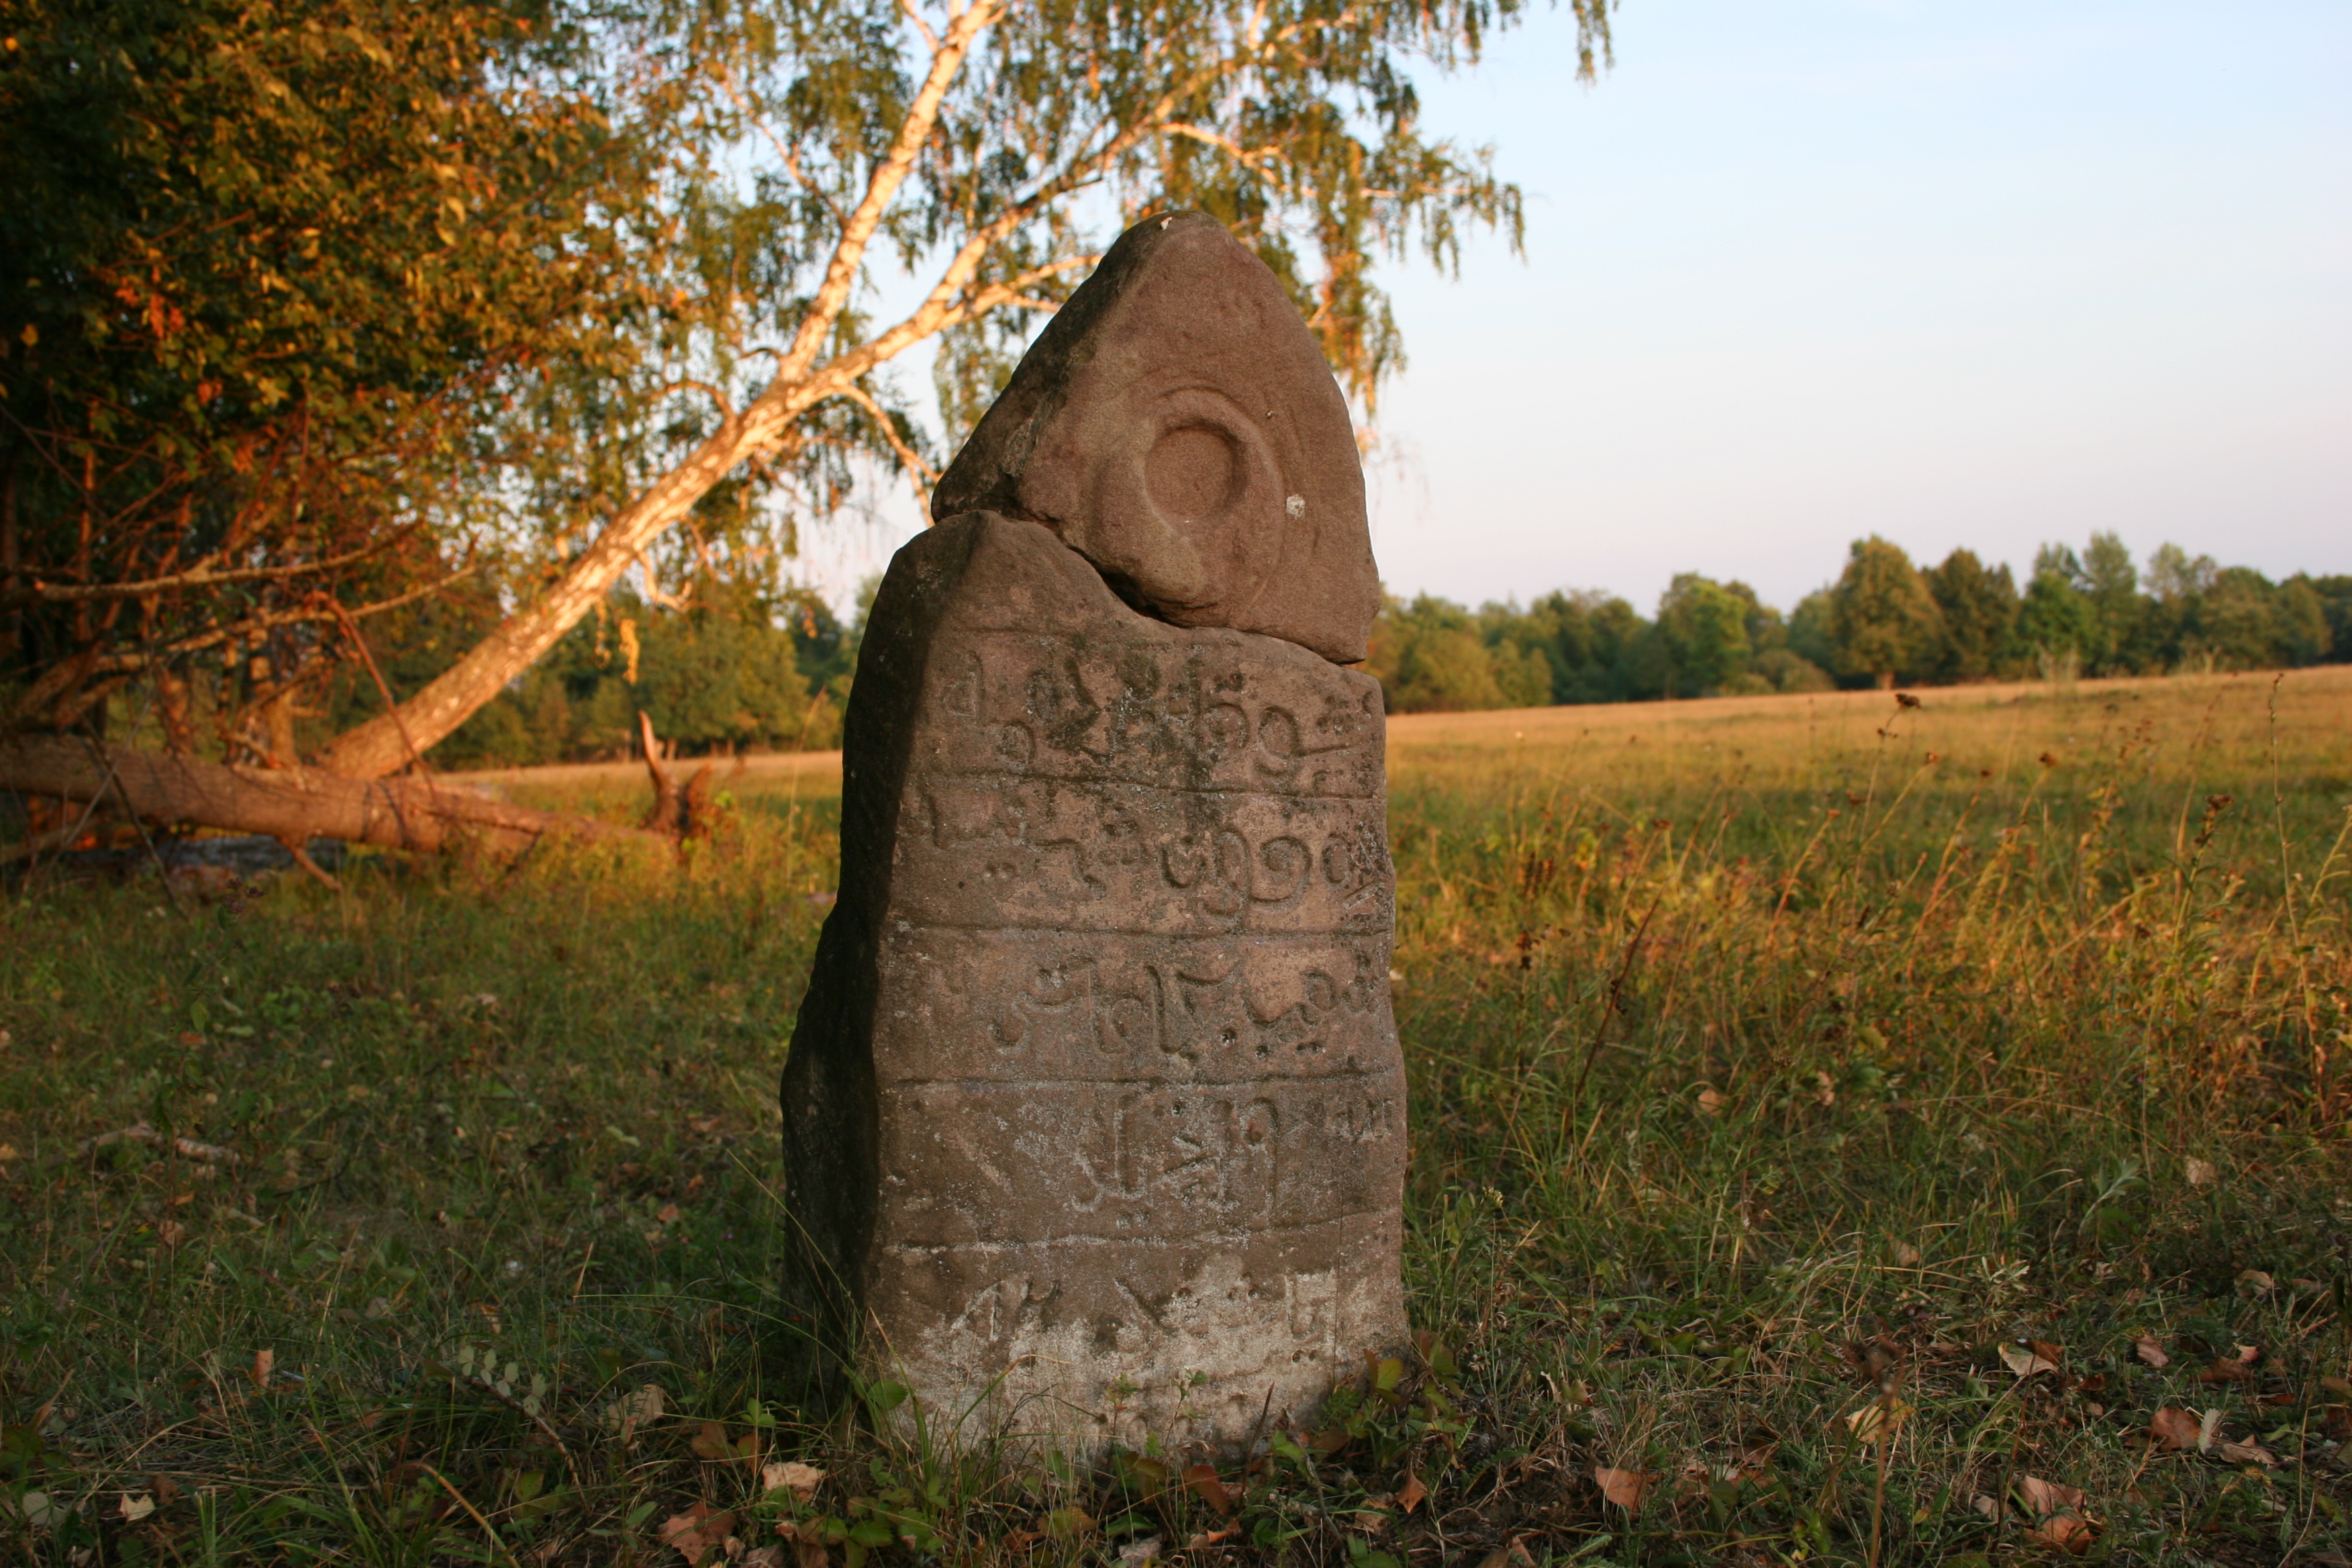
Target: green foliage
[(1811, 633), (2246, 623), (1430, 660), (734, 672), (1705, 629), (2056, 624), (1885, 622), (1961, 621), (2110, 581), (1597, 645), (342, 297), (2333, 595), (276, 273), (1432, 656), (1979, 605)]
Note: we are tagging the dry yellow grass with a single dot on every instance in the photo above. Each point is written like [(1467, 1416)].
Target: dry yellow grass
[(816, 770), (1777, 1095), (2228, 721), (2223, 720)]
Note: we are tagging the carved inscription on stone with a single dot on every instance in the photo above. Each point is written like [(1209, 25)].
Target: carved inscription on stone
[(1099, 1045)]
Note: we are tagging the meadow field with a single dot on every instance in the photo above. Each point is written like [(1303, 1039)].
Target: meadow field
[(1843, 1132)]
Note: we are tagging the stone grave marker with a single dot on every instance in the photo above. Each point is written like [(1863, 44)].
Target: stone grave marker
[(1093, 1117)]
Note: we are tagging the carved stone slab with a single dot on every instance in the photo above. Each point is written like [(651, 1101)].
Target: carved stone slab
[(1097, 1088), (1177, 425)]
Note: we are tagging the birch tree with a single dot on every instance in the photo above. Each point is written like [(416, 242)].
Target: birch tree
[(774, 171)]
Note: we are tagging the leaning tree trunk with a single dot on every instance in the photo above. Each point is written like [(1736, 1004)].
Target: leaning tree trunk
[(390, 741), (293, 804)]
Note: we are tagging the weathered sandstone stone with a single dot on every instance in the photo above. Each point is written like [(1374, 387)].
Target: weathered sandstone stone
[(1095, 1089), (1176, 424)]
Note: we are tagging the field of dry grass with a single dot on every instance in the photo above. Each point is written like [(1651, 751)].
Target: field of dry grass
[(2229, 719), (1842, 1132)]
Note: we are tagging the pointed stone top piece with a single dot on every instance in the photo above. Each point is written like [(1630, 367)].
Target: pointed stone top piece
[(1176, 424)]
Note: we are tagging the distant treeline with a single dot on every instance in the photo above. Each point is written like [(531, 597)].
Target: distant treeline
[(740, 671), (1884, 621)]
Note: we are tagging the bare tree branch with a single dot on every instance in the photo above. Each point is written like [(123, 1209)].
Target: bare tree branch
[(201, 576)]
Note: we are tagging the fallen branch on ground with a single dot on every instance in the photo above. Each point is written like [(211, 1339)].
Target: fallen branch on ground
[(291, 804), (139, 1132)]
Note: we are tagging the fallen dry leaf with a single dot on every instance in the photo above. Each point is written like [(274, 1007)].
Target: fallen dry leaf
[(1711, 1101), (1202, 1481), (2174, 1428), (2147, 1350), (134, 1509), (2255, 1281), (710, 1442), (1136, 1553), (1985, 1506), (2069, 1533), (1069, 1523), (2055, 1508), (666, 1214), (631, 1411), (701, 1528), (1626, 1488), (1878, 1420), (1515, 1550), (1145, 1475), (2046, 1497), (2201, 1173), (263, 1360), (1873, 1357), (2245, 1453), (706, 1125), (1201, 1542), (803, 1480), (2226, 1370), (2023, 1361), (1905, 1254), (763, 1557), (1409, 1495), (807, 1544), (2209, 1426)]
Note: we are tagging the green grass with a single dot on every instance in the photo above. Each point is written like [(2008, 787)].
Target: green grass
[(1775, 1092)]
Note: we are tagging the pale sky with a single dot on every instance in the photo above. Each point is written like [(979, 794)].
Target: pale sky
[(1983, 273)]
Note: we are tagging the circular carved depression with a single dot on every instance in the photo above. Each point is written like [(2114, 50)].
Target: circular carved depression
[(1194, 474)]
